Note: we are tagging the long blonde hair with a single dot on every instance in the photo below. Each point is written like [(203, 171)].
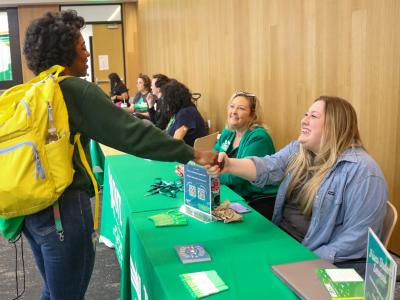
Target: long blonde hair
[(308, 169), (255, 110)]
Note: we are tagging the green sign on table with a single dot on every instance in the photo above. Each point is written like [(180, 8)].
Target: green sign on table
[(380, 277)]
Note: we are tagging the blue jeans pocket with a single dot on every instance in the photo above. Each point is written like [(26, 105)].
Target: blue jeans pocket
[(41, 223)]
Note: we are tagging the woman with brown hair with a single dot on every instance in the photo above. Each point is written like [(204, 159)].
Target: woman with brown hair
[(138, 105)]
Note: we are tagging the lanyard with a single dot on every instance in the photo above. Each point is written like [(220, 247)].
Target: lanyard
[(170, 123)]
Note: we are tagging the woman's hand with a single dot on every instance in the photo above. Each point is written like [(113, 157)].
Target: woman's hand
[(220, 166), (179, 170), (205, 158), (150, 100)]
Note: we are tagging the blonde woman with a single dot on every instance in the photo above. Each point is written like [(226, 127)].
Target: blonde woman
[(331, 190), (244, 136)]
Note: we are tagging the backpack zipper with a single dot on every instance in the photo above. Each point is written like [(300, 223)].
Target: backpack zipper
[(38, 163), (28, 112)]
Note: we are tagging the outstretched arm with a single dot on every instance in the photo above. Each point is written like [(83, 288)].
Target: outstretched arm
[(244, 168)]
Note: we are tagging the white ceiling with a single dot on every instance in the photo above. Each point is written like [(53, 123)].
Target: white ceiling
[(13, 3)]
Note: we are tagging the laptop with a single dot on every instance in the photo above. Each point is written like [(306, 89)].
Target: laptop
[(302, 279)]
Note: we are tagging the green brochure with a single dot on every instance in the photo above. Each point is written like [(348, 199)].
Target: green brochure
[(202, 284), (342, 283), (169, 218)]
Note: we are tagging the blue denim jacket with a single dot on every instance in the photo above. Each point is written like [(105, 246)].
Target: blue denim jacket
[(351, 198)]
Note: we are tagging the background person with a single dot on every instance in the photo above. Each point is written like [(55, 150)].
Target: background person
[(155, 101), (66, 266), (244, 135), (118, 91), (331, 190), (186, 123), (139, 104)]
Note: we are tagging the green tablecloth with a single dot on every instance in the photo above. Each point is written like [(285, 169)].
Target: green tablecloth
[(97, 158), (126, 180), (242, 253)]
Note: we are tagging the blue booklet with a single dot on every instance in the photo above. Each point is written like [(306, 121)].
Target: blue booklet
[(192, 253)]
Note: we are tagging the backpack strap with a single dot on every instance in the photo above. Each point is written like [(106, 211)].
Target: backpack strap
[(85, 163), (56, 207)]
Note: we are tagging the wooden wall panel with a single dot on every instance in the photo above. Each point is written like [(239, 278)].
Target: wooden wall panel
[(288, 52), (131, 45), (107, 40), (26, 14)]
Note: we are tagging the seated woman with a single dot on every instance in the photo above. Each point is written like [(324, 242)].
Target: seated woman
[(119, 92), (155, 102), (331, 190), (139, 106), (185, 121), (243, 136)]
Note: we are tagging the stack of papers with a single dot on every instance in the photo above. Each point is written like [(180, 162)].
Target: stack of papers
[(169, 218), (201, 284), (342, 283)]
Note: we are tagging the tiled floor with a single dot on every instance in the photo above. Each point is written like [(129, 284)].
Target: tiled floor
[(104, 283)]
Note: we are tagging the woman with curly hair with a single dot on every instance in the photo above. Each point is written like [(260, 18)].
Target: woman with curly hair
[(66, 266), (185, 121)]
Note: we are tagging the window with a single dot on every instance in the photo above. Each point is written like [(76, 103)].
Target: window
[(10, 53)]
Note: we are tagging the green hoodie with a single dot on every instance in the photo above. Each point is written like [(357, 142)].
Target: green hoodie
[(93, 115)]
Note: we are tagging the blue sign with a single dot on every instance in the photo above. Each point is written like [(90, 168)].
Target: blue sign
[(201, 192)]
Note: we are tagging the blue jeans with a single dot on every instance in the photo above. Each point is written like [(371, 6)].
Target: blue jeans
[(66, 266)]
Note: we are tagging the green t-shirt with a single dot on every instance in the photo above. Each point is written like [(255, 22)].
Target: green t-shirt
[(141, 105)]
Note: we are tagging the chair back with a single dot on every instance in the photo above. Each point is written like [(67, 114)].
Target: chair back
[(389, 223), (206, 143)]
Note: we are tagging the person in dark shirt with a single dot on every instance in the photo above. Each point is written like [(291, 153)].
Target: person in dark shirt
[(186, 123), (118, 91), (157, 115)]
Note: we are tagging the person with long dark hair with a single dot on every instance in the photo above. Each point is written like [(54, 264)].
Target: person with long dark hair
[(186, 122), (66, 265), (118, 90)]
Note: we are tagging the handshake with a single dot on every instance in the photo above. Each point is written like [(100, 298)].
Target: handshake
[(214, 162), (207, 158), (210, 160)]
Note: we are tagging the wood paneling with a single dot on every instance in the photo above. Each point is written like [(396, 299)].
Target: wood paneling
[(288, 52), (107, 40), (26, 14), (131, 45)]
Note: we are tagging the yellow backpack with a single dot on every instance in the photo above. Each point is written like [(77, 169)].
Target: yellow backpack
[(34, 173)]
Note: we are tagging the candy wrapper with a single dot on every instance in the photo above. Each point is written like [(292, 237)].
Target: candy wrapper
[(224, 213)]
